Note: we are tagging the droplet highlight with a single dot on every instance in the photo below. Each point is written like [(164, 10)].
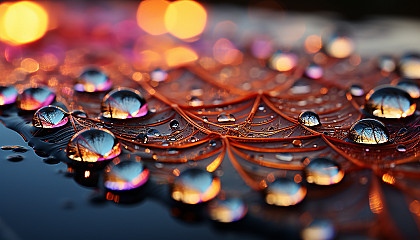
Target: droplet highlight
[(92, 80), (124, 103), (323, 171), (34, 98), (368, 131), (284, 192), (50, 117), (227, 210), (125, 175), (225, 117), (309, 119)]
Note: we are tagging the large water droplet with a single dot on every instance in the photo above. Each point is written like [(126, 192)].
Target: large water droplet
[(309, 119), (284, 192), (194, 186), (153, 133), (314, 71), (124, 103), (35, 98), (323, 171), (409, 66), (125, 175), (225, 117), (411, 87), (50, 117), (227, 210), (174, 124), (356, 90), (368, 131), (93, 145), (158, 75), (389, 102), (8, 95), (318, 230), (93, 80)]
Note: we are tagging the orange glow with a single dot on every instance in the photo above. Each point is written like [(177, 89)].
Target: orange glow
[(415, 207), (22, 22), (297, 178), (185, 19), (375, 203), (388, 178), (151, 16), (313, 44), (225, 52), (341, 47), (284, 62), (180, 56), (29, 65), (176, 172), (87, 174)]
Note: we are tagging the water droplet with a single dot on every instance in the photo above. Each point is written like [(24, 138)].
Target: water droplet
[(402, 131), (318, 229), (142, 137), (297, 143), (124, 103), (93, 145), (19, 149), (14, 158), (284, 192), (225, 117), (50, 117), (261, 107), (284, 156), (153, 133), (356, 90), (205, 119), (389, 102), (212, 143), (339, 46), (194, 186), (193, 139), (158, 75), (314, 71), (93, 80), (323, 171), (8, 95), (410, 87), (195, 101), (309, 119), (174, 124), (35, 98), (172, 151), (227, 210), (386, 64), (409, 66), (125, 175), (300, 87), (79, 113), (401, 148), (6, 148), (51, 160)]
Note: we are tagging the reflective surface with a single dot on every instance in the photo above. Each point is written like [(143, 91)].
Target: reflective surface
[(227, 210), (8, 95), (50, 117), (125, 175), (124, 103), (309, 119), (92, 80), (35, 98), (323, 171), (368, 131), (284, 192)]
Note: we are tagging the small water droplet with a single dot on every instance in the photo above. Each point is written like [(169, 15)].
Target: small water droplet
[(8, 95), (309, 119), (172, 151), (261, 107), (193, 139), (124, 103), (227, 210), (93, 80), (284, 156), (34, 98), (368, 131), (142, 137), (195, 101), (297, 143), (6, 148), (386, 63), (225, 117), (153, 133), (158, 165), (19, 149), (174, 124), (125, 175), (79, 113), (284, 192), (93, 145), (212, 143), (410, 87), (51, 160), (401, 148), (409, 66), (195, 185), (356, 90), (158, 75), (49, 117), (402, 131), (389, 102), (323, 171), (14, 158)]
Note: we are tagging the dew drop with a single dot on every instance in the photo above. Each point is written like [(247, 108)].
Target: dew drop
[(6, 148), (153, 133), (410, 87), (401, 148), (284, 156), (212, 143), (93, 145), (125, 175), (389, 102), (14, 158), (323, 171), (142, 137), (284, 192), (225, 117), (50, 117), (174, 124), (261, 108), (356, 90), (297, 143), (368, 131), (318, 229), (19, 149), (92, 80), (314, 71), (124, 103), (8, 95), (205, 119), (409, 66), (309, 119), (194, 186), (35, 98), (158, 75), (227, 210), (79, 113)]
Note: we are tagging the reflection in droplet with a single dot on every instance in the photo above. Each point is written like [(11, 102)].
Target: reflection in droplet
[(14, 158), (323, 171), (195, 101), (124, 103), (284, 192), (50, 117), (409, 66), (386, 63), (153, 133), (314, 71), (368, 131), (195, 185), (142, 137), (79, 113), (93, 145), (35, 98), (93, 80), (225, 117), (174, 124), (158, 75), (309, 119), (284, 156), (8, 95), (125, 175), (227, 210), (411, 87), (356, 90), (401, 148), (389, 102), (340, 47), (318, 230)]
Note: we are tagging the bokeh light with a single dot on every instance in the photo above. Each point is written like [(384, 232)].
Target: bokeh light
[(185, 19), (180, 56), (22, 22), (151, 16)]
